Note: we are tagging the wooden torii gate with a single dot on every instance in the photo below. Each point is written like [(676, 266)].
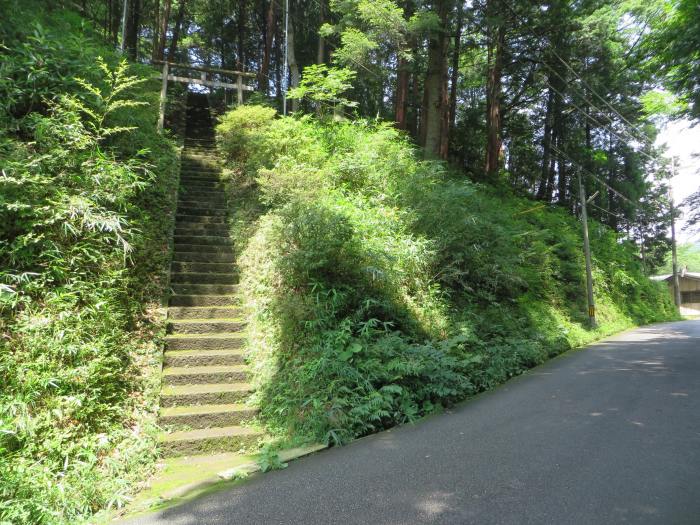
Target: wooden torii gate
[(201, 81)]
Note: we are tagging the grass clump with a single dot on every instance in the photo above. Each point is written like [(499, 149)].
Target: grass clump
[(86, 199), (381, 287)]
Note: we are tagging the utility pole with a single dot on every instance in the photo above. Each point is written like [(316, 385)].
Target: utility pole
[(674, 255), (286, 56), (587, 253)]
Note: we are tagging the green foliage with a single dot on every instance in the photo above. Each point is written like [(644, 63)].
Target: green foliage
[(324, 86), (86, 197), (381, 288), (688, 256), (269, 459)]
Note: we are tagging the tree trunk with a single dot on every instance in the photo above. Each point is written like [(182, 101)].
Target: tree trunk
[(279, 63), (493, 103), (176, 30), (160, 52), (403, 73), (435, 121), (271, 19), (563, 197), (413, 116), (240, 34), (546, 145), (293, 66), (493, 95), (455, 64), (321, 50), (133, 17), (156, 30)]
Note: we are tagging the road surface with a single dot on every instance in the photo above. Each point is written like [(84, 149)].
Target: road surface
[(605, 435)]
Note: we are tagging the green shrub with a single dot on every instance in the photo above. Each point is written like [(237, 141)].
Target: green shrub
[(86, 208), (381, 287)]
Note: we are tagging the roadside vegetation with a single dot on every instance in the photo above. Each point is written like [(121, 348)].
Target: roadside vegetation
[(381, 287), (86, 203)]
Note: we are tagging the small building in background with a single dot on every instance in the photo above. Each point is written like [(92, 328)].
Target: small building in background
[(690, 290)]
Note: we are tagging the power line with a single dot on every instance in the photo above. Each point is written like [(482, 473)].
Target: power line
[(588, 173), (568, 66)]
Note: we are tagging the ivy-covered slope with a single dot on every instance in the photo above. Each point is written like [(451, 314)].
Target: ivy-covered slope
[(86, 200), (381, 288)]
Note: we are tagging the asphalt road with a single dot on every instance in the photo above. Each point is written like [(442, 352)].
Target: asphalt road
[(605, 435)]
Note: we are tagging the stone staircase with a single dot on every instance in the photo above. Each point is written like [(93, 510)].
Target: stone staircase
[(204, 373)]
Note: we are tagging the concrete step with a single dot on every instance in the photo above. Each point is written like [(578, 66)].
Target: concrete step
[(205, 375), (185, 395), (204, 278), (183, 256), (205, 416), (203, 357), (214, 240), (204, 441), (202, 267), (182, 219), (205, 326), (205, 342), (204, 289), (202, 248), (203, 300)]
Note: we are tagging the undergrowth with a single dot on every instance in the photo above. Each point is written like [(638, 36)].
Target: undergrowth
[(86, 198), (381, 288)]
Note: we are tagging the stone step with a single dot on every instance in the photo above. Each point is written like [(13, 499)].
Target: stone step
[(217, 241), (183, 256), (201, 150), (217, 230), (196, 155), (207, 212), (205, 416), (205, 441), (191, 186), (204, 289), (205, 342), (200, 164), (206, 144), (214, 197), (209, 196), (192, 178), (206, 312), (203, 204), (204, 278), (203, 300), (203, 248), (203, 357), (202, 267), (205, 326), (182, 219), (200, 184), (221, 393), (205, 375), (201, 175)]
